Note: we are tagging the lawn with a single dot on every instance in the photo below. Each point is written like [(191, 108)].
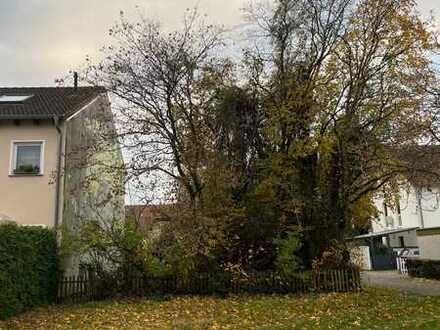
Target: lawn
[(370, 309)]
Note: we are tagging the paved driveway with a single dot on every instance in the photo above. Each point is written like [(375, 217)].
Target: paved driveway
[(394, 280)]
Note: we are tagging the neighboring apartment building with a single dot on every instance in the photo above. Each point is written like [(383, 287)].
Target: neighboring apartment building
[(414, 222), (55, 166), (407, 224), (410, 226)]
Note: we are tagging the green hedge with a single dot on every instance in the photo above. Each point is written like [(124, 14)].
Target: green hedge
[(29, 268), (424, 268)]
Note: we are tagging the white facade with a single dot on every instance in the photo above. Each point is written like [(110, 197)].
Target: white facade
[(417, 211), (410, 216), (429, 245)]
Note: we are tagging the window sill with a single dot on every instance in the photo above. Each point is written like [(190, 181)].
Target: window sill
[(25, 174)]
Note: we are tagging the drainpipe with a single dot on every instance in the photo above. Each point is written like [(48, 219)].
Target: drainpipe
[(371, 251), (419, 207), (56, 121)]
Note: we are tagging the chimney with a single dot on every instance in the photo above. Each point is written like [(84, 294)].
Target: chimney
[(75, 80)]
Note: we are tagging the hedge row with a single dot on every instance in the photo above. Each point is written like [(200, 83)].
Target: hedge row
[(424, 268), (29, 268)]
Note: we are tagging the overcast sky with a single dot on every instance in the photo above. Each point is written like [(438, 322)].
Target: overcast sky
[(41, 40)]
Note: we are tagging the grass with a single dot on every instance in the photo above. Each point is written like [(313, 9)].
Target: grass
[(369, 309)]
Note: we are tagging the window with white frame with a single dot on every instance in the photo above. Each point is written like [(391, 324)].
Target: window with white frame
[(27, 158)]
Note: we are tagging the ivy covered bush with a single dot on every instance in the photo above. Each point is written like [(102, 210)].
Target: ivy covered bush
[(29, 268), (424, 268)]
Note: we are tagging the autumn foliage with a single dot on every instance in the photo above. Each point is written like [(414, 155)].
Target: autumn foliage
[(275, 159)]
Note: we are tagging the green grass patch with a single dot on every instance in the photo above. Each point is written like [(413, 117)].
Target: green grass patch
[(369, 309)]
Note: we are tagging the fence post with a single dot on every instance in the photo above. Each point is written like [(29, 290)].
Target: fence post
[(60, 289), (344, 280), (338, 275), (316, 281)]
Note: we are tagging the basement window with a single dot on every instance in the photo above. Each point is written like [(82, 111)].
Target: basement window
[(27, 158)]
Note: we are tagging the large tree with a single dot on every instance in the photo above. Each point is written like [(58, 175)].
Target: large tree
[(348, 86), (163, 95), (300, 143)]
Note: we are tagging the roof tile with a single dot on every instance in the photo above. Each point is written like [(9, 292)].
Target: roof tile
[(46, 102)]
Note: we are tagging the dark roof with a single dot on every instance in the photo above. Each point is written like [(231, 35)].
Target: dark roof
[(46, 102)]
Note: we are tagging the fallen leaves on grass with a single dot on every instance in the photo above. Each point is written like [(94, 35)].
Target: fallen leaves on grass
[(370, 309)]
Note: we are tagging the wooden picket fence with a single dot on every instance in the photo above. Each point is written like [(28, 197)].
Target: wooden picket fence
[(77, 289)]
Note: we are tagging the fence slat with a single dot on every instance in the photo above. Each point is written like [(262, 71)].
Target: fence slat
[(343, 280), (338, 281)]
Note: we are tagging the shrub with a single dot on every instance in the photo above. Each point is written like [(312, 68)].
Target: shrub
[(424, 268), (29, 268), (287, 260), (336, 256)]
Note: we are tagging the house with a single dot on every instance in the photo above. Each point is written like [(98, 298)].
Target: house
[(59, 159), (151, 219), (409, 223), (148, 214)]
